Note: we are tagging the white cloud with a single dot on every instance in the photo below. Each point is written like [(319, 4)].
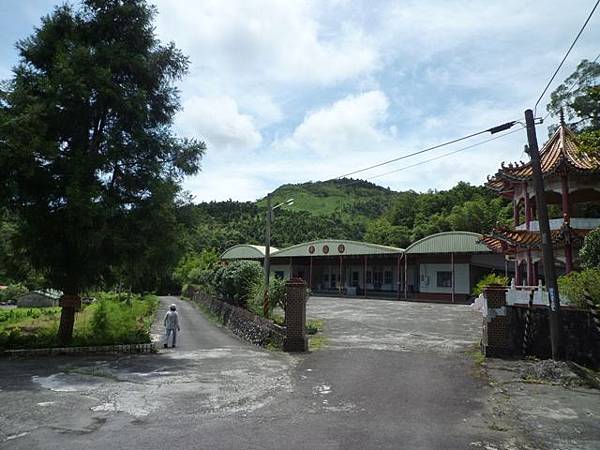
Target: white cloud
[(350, 124), (266, 39), (218, 121)]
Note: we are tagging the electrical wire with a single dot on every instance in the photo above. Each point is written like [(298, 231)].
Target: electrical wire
[(425, 150), (566, 55), (435, 158), (570, 89)]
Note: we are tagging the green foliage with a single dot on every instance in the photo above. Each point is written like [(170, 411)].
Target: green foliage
[(341, 210), (92, 165), (196, 269), (576, 285), (590, 252), (488, 280), (236, 280), (579, 96), (113, 319), (11, 292), (277, 296)]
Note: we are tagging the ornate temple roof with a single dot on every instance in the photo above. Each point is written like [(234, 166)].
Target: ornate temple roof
[(504, 240), (558, 154)]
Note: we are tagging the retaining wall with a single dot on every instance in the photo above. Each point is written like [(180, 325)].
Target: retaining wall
[(243, 323), (79, 351)]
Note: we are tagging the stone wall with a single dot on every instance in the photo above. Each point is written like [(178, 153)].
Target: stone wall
[(243, 323), (579, 336), (504, 331)]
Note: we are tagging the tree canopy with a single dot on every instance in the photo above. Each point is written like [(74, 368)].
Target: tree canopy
[(87, 146)]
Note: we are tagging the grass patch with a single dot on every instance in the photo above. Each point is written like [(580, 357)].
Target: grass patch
[(317, 342), (112, 319)]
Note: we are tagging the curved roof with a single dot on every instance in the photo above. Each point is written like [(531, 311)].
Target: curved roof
[(449, 242), (332, 247), (246, 251), (559, 153)]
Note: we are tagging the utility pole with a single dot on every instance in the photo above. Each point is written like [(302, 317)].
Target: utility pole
[(267, 263), (547, 250)]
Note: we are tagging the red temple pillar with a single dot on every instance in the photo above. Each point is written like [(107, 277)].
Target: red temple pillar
[(566, 215), (516, 212)]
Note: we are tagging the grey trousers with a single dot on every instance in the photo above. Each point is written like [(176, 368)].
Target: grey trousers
[(170, 331)]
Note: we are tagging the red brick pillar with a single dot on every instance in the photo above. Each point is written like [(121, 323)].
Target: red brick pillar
[(295, 316), (496, 337)]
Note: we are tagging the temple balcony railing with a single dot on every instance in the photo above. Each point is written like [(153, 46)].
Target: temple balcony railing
[(579, 223), (519, 295)]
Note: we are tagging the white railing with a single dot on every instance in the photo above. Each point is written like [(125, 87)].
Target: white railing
[(580, 223)]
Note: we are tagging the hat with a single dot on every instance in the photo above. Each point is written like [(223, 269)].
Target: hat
[(173, 307)]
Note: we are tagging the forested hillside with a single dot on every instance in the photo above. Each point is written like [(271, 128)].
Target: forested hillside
[(344, 209)]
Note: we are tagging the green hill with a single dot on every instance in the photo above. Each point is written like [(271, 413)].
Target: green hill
[(344, 197)]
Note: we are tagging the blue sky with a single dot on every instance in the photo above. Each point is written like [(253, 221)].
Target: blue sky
[(293, 91)]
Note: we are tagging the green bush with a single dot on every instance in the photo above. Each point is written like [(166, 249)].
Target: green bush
[(590, 252), (277, 296), (236, 280), (113, 319), (488, 280), (11, 292), (577, 285)]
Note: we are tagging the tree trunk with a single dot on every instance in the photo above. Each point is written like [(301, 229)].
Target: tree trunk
[(65, 329), (70, 303)]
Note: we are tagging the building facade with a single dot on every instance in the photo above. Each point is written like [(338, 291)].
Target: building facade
[(441, 267)]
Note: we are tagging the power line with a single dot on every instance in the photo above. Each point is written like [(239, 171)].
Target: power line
[(436, 157), (566, 55), (428, 149), (570, 89)]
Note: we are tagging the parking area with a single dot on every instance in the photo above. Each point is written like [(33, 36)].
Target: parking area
[(396, 325)]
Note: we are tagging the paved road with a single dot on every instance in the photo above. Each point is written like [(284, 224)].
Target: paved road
[(215, 392)]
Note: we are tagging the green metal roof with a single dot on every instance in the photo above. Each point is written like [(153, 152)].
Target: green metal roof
[(449, 242), (334, 246), (246, 251)]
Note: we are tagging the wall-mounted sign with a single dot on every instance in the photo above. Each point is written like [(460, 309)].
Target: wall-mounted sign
[(341, 248), (326, 249), (311, 249)]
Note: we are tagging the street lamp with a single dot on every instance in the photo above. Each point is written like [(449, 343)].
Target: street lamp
[(267, 262), (544, 224)]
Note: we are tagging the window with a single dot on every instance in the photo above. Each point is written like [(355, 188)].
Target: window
[(326, 277), (354, 279), (368, 276), (387, 276), (444, 279), (279, 274)]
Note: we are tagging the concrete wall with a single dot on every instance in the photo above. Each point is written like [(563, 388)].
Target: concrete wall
[(428, 274)]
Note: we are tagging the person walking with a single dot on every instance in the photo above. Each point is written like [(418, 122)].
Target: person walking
[(171, 323)]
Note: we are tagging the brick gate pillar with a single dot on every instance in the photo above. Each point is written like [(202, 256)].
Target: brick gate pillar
[(496, 338), (295, 316)]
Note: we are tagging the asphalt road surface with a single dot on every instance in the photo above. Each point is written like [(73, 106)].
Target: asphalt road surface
[(393, 375)]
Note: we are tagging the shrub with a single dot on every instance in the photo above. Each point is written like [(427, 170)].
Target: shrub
[(238, 279), (577, 285), (590, 252), (11, 292), (488, 280), (277, 295)]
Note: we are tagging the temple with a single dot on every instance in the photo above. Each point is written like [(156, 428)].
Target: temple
[(572, 192)]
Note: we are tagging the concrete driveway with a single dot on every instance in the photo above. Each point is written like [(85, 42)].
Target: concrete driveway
[(394, 375)]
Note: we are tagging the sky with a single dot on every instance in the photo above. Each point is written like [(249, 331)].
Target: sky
[(286, 91)]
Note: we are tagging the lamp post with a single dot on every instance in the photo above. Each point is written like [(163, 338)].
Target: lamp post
[(267, 262)]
